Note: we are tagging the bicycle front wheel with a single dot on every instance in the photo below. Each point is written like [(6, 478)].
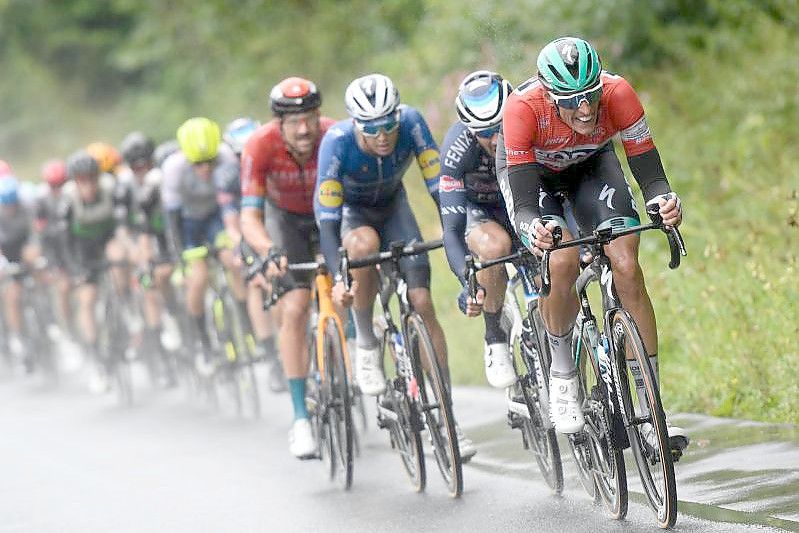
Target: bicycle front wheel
[(340, 404), (649, 439), (531, 387), (436, 403)]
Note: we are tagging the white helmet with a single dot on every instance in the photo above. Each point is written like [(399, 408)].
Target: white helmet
[(481, 98), (370, 97)]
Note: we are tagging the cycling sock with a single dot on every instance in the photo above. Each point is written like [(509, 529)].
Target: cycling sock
[(364, 332), (297, 391), (269, 347), (245, 315), (562, 360), (349, 329), (199, 324), (494, 332)]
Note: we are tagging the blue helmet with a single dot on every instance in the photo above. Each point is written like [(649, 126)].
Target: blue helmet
[(239, 131), (9, 190)]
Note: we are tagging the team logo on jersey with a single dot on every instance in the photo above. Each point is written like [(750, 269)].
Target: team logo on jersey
[(449, 184), (430, 163), (331, 193)]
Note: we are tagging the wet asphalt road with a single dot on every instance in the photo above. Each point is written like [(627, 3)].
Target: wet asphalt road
[(70, 461)]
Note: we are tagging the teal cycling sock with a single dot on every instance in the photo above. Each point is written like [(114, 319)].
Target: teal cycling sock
[(297, 391)]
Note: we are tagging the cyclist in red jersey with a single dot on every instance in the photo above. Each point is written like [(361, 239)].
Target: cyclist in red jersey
[(278, 175), (557, 143)]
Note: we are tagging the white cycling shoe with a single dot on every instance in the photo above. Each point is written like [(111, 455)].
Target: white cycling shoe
[(498, 365), (565, 405), (98, 381), (302, 443), (369, 371)]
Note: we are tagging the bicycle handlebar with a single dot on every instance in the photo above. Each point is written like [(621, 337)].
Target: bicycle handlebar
[(396, 250), (604, 236)]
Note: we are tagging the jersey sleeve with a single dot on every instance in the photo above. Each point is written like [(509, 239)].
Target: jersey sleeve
[(171, 186), (627, 114), (254, 168), (452, 195), (519, 127), (426, 149), (329, 196), (227, 187)]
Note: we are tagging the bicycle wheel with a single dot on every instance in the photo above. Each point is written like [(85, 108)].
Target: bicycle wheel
[(340, 406), (226, 375), (116, 346), (405, 431), (532, 388), (244, 372), (436, 403), (653, 455)]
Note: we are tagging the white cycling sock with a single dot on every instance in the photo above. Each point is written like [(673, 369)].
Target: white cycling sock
[(561, 349)]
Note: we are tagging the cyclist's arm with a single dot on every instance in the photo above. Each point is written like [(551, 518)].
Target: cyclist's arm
[(227, 198), (172, 202), (453, 198), (122, 199), (453, 220), (253, 193), (520, 186), (627, 113), (427, 155), (328, 207)]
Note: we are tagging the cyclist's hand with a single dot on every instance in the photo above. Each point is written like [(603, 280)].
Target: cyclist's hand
[(469, 307), (276, 263), (541, 236), (343, 297), (258, 281), (670, 208)]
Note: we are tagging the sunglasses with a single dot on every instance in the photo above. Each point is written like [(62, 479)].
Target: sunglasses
[(573, 101), (488, 133), (373, 128)]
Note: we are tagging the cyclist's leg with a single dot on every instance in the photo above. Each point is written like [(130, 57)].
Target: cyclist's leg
[(400, 224), (196, 276), (12, 297), (487, 239), (603, 199), (294, 308)]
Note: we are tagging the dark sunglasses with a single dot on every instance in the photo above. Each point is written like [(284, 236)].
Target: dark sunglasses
[(488, 133), (573, 101), (373, 128)]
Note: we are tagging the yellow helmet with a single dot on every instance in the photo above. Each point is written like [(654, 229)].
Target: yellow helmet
[(199, 139), (107, 156)]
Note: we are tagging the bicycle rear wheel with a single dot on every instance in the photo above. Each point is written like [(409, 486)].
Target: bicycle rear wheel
[(339, 409), (244, 372), (594, 449), (653, 455), (436, 403)]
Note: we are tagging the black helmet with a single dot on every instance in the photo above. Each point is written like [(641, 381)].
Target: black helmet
[(81, 163), (294, 95), (137, 148)]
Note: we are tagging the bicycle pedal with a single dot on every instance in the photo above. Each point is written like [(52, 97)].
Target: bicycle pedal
[(514, 421)]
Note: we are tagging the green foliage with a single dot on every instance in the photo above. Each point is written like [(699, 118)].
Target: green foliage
[(718, 79)]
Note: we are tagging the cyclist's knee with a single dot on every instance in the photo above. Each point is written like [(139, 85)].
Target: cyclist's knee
[(489, 241), (295, 305), (422, 302), (564, 266), (362, 241)]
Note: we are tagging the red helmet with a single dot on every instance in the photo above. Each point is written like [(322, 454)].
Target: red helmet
[(54, 172), (294, 95), (5, 169)]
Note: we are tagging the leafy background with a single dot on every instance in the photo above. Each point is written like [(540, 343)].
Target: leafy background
[(719, 80)]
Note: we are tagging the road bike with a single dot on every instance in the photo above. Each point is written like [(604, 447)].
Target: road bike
[(619, 389), (528, 397), (417, 395)]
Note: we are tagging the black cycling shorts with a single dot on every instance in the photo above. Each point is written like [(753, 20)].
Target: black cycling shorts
[(298, 236)]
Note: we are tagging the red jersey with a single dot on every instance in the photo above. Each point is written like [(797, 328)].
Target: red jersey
[(534, 133), (269, 171)]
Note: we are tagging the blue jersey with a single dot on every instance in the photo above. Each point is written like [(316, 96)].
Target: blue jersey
[(349, 176)]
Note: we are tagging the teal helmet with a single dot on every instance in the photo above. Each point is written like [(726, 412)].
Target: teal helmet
[(568, 65)]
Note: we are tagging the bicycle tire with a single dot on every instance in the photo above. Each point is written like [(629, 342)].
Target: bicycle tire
[(244, 373), (340, 408), (438, 415), (535, 390), (116, 346), (607, 460), (655, 466), (405, 433)]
